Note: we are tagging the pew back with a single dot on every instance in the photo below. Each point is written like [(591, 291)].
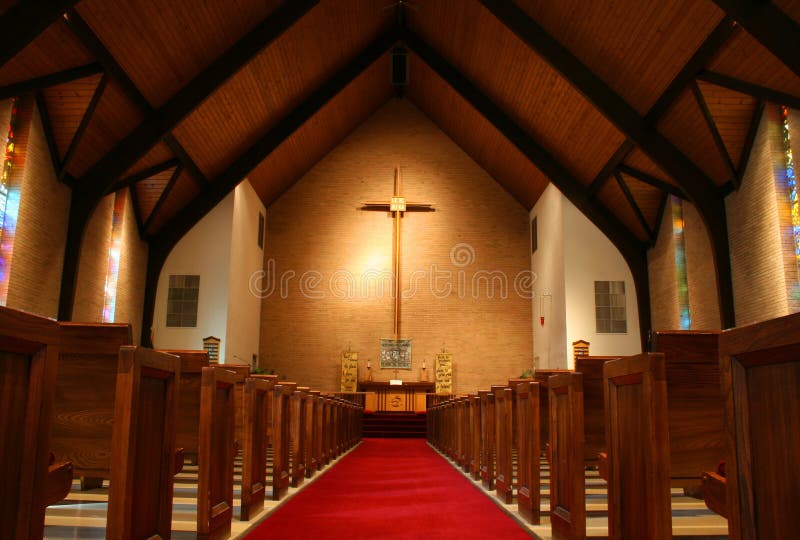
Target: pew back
[(528, 450), (257, 411), (192, 364), (593, 404)]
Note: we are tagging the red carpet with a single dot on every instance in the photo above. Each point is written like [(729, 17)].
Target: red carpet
[(390, 489)]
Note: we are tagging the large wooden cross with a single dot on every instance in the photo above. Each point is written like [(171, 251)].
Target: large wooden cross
[(397, 206)]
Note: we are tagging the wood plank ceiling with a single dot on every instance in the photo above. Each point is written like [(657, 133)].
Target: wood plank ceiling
[(619, 103)]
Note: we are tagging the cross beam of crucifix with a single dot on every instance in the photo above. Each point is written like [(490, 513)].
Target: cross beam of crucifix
[(397, 206)]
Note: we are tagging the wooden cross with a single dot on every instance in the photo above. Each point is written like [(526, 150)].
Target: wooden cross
[(397, 206)]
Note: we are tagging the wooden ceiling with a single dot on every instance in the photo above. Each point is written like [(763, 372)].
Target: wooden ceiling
[(618, 103)]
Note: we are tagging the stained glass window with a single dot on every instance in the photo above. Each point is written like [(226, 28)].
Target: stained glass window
[(9, 206), (680, 264), (114, 253), (791, 181)]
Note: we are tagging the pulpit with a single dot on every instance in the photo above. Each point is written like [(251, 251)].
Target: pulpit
[(406, 397)]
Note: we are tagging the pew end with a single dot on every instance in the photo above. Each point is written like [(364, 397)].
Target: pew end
[(59, 482), (714, 493)]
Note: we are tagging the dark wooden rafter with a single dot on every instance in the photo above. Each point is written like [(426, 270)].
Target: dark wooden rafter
[(778, 32), (611, 165), (652, 180), (136, 212), (22, 22), (87, 117), (219, 187), (702, 56), (631, 248), (47, 126), (755, 90), (749, 141), (188, 163), (698, 186), (712, 127), (157, 123), (144, 174), (635, 206), (163, 197), (660, 216), (51, 79)]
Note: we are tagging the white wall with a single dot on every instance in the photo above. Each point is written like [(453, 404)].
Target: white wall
[(572, 255), (246, 258), (590, 256), (547, 263), (204, 251)]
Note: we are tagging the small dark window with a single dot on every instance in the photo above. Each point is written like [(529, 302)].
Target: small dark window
[(534, 236), (261, 223), (182, 301), (609, 306)]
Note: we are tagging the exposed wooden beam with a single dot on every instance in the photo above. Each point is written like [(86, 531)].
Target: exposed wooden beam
[(188, 163), (180, 224), (635, 206), (51, 79), (144, 174), (699, 60), (652, 180), (712, 127), (163, 197), (22, 22), (136, 213), (755, 90), (770, 25), (49, 137), (87, 117), (608, 169), (660, 216), (702, 56), (698, 186), (750, 139), (631, 248)]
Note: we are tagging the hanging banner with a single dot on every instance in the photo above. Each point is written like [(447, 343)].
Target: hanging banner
[(444, 373), (349, 371)]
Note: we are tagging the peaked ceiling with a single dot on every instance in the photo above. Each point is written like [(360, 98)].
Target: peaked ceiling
[(618, 103)]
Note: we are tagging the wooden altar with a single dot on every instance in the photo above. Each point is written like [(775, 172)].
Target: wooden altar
[(407, 397)]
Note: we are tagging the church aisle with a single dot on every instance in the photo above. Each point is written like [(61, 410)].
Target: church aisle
[(390, 489)]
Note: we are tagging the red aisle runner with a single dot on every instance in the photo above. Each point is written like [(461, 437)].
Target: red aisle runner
[(390, 489)]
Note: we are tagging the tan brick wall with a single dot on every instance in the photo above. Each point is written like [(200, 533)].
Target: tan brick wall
[(700, 272), (132, 273), (38, 258), (89, 293), (754, 230), (664, 277), (93, 264), (317, 227)]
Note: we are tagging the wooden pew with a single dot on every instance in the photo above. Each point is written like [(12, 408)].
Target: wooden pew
[(310, 425), (28, 363), (693, 384), (567, 481), (143, 444), (280, 439), (528, 450), (475, 436), (318, 457), (760, 367), (84, 399), (242, 372), (638, 448), (466, 440), (217, 453), (488, 439), (192, 364), (504, 475), (297, 435), (542, 376), (258, 402), (594, 422)]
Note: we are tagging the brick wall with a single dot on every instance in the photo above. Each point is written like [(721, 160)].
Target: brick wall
[(93, 266), (700, 272), (663, 274), (35, 279), (317, 232), (758, 260)]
